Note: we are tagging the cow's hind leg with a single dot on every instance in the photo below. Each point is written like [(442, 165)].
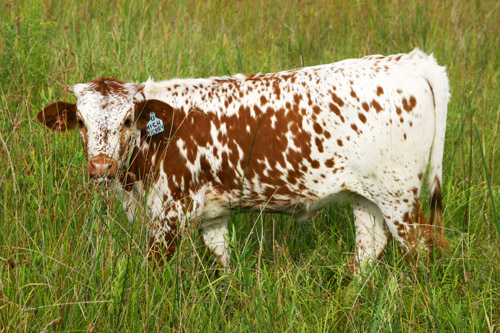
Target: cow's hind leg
[(407, 223), (371, 233), (215, 238)]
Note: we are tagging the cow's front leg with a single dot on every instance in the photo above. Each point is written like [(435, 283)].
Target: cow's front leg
[(215, 238), (166, 231), (162, 246)]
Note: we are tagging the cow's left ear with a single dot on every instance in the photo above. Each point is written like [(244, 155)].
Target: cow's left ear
[(58, 116), (153, 109)]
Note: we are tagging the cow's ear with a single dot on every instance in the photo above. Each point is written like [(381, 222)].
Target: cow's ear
[(152, 109), (59, 116)]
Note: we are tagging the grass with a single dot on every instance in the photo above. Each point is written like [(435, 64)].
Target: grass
[(70, 260)]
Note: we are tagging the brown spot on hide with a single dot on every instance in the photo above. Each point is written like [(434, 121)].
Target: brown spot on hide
[(353, 95), (375, 105), (336, 110), (297, 98), (337, 99), (355, 128), (317, 128), (406, 106), (309, 100), (365, 106), (108, 86), (409, 105), (413, 102), (362, 117), (380, 91), (263, 100), (319, 144)]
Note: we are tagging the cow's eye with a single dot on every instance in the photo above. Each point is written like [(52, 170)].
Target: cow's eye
[(128, 122), (80, 123)]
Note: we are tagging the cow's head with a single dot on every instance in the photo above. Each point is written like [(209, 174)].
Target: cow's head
[(109, 117)]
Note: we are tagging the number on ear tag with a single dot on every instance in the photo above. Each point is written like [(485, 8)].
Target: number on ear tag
[(154, 125)]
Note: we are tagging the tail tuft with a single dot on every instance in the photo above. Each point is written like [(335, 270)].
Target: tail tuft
[(436, 218)]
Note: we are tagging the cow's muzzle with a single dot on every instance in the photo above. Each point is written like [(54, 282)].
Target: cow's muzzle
[(102, 169)]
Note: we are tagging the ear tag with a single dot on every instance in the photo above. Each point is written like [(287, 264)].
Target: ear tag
[(154, 125)]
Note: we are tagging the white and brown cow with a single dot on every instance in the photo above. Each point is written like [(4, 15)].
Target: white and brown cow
[(290, 142)]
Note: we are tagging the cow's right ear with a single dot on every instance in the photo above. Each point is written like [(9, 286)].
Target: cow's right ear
[(59, 116)]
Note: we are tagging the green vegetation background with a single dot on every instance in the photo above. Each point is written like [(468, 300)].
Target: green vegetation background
[(70, 261)]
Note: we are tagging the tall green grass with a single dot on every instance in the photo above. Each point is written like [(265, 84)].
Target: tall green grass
[(71, 261)]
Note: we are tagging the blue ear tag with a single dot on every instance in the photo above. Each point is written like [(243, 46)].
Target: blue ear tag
[(154, 125)]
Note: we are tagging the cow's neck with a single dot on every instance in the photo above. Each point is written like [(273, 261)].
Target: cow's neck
[(176, 159)]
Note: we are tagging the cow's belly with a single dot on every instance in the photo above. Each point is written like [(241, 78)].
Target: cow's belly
[(223, 205), (314, 208)]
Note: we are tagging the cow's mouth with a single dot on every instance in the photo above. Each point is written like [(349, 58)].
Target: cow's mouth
[(102, 180)]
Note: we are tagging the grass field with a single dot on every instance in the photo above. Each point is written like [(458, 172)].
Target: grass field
[(70, 260)]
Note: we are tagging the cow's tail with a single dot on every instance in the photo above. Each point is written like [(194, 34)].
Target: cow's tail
[(438, 82)]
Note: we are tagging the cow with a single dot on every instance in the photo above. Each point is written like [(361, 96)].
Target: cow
[(290, 142)]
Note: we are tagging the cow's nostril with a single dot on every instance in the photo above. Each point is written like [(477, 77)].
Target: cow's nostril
[(102, 166)]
